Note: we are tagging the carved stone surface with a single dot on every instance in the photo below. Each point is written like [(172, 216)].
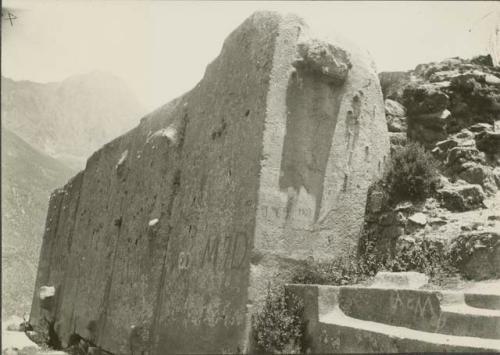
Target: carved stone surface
[(170, 235)]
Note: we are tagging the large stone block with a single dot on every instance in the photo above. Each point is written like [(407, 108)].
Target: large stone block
[(169, 237)]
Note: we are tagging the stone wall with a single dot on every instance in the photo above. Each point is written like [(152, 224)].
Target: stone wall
[(167, 239)]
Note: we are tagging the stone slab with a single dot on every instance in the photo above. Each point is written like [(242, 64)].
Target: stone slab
[(409, 279)]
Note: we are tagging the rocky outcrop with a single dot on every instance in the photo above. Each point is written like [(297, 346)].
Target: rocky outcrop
[(393, 84), (437, 105), (168, 239), (442, 98), (466, 156), (395, 114)]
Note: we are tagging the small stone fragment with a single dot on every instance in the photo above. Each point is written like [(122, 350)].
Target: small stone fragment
[(122, 159), (14, 323), (418, 218), (46, 292), (409, 279), (480, 127), (404, 206)]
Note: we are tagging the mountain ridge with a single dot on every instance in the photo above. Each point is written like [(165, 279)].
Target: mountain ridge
[(70, 119), (28, 178)]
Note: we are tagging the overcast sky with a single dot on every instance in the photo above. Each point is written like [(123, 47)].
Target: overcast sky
[(161, 49)]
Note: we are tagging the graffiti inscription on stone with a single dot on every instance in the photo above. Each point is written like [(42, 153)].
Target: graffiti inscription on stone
[(276, 212), (420, 305), (224, 253)]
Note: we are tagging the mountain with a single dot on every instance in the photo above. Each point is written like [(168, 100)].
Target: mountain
[(69, 120), (28, 178)]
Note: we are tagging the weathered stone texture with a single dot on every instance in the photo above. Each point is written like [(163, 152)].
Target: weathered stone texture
[(357, 319), (172, 232)]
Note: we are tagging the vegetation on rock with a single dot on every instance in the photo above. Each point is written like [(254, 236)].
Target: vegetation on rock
[(411, 173), (279, 327), (422, 255)]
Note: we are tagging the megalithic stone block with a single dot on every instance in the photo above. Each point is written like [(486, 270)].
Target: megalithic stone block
[(167, 240)]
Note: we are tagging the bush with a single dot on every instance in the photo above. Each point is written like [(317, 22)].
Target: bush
[(342, 271), (411, 173), (279, 326), (425, 256)]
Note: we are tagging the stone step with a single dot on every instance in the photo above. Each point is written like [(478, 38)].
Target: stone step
[(430, 311), (481, 300), (340, 321), (461, 319), (341, 333)]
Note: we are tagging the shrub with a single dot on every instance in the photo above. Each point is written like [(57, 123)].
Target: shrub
[(411, 173), (342, 271), (425, 256), (279, 326)]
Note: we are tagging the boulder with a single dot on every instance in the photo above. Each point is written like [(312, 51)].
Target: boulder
[(461, 197), (459, 155), (477, 254), (488, 142), (394, 108), (393, 84), (428, 128), (491, 79), (480, 174), (395, 114), (424, 99)]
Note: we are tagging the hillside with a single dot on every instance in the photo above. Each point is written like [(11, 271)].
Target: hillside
[(69, 120), (28, 178)]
